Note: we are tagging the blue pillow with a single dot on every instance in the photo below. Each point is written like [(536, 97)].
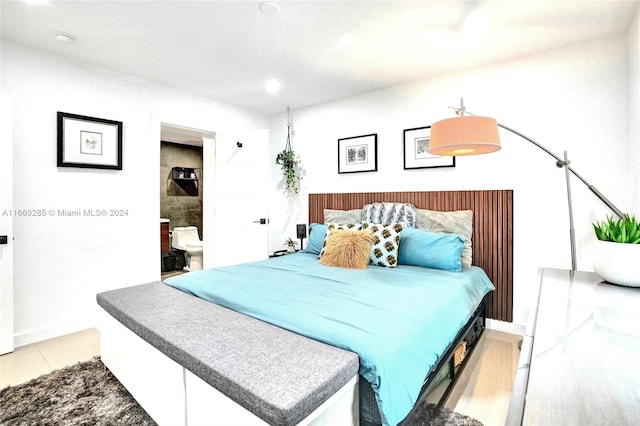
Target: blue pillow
[(419, 247), (317, 234)]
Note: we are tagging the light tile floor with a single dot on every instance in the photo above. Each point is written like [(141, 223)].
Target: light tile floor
[(484, 389), (482, 392), (30, 361)]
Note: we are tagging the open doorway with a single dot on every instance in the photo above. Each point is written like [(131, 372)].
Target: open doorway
[(182, 160), (234, 187)]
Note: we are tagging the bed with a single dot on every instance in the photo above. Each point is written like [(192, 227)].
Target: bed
[(299, 294)]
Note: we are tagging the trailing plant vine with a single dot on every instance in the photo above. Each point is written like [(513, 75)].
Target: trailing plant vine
[(289, 164)]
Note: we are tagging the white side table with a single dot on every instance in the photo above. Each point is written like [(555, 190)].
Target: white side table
[(580, 359)]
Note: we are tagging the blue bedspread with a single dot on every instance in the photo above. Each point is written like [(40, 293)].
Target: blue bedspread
[(397, 320)]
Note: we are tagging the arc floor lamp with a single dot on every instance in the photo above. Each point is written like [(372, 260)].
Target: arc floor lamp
[(472, 135)]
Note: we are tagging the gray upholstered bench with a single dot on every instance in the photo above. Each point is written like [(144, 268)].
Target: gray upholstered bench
[(278, 376)]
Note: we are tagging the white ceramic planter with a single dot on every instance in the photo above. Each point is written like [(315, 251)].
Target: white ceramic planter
[(618, 263)]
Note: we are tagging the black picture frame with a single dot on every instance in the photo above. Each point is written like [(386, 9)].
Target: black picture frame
[(89, 142), (416, 143), (358, 154)]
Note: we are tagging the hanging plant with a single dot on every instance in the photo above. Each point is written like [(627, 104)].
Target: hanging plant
[(289, 164)]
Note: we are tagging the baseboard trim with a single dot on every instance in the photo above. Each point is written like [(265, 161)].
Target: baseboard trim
[(35, 336), (507, 327)]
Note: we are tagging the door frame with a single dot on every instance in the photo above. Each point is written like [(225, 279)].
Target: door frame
[(7, 338)]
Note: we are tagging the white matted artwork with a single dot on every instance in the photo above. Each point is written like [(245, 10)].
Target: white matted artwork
[(358, 154), (416, 151), (89, 142)]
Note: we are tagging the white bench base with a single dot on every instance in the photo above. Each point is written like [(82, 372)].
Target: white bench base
[(173, 396)]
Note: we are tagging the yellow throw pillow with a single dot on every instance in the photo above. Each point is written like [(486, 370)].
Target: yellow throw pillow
[(333, 226), (347, 249)]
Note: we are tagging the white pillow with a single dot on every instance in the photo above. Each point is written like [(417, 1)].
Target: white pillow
[(342, 216)]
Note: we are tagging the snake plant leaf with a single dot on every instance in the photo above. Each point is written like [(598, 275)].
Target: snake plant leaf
[(622, 230), (614, 233)]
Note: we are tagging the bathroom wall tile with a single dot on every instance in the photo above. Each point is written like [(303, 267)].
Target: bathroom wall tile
[(175, 204)]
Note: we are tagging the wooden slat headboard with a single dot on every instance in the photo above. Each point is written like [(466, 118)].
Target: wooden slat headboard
[(492, 229)]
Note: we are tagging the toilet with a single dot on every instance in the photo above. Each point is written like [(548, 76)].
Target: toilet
[(186, 238)]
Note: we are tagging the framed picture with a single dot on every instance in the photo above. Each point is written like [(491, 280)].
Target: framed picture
[(358, 154), (89, 142), (416, 154)]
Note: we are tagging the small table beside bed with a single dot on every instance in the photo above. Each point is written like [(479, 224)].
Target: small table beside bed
[(290, 340)]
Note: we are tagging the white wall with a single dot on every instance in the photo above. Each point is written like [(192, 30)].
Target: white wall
[(62, 262), (634, 107), (575, 99)]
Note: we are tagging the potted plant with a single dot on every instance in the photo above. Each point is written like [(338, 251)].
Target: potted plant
[(291, 245), (618, 250), (288, 162)]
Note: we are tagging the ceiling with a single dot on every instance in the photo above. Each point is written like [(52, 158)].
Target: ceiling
[(317, 50)]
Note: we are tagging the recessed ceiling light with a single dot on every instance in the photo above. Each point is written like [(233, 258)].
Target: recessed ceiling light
[(476, 21), (345, 40), (270, 8), (272, 86), (63, 38)]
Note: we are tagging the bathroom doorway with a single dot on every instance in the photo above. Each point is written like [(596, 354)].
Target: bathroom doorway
[(181, 193), (234, 183)]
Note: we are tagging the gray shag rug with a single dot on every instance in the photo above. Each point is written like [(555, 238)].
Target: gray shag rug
[(88, 394), (431, 415), (83, 394)]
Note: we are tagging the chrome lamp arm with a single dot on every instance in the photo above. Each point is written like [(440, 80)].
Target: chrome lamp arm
[(560, 162), (566, 163)]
